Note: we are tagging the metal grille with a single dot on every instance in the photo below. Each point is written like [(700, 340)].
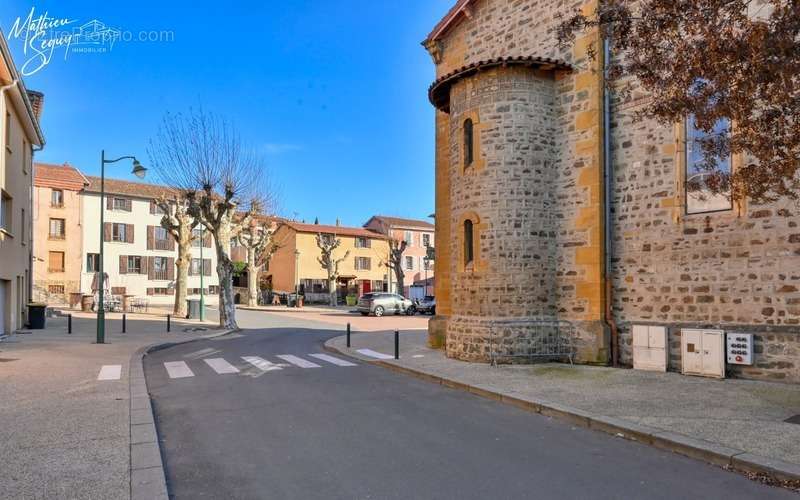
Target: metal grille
[(532, 339)]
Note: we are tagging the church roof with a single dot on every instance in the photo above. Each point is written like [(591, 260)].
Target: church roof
[(453, 15)]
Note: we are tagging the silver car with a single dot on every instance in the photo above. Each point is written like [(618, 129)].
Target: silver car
[(380, 303)]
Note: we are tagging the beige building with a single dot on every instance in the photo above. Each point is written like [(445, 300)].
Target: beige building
[(58, 252), (20, 137), (418, 256), (295, 263)]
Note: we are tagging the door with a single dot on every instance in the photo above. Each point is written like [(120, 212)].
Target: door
[(367, 286), (692, 349)]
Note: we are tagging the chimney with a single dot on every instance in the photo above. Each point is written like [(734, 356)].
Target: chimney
[(37, 103), (337, 222)]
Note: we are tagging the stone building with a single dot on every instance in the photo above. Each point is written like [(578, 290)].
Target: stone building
[(552, 202)]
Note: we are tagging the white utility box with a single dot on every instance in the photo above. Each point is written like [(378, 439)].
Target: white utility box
[(650, 350), (740, 348), (703, 352)]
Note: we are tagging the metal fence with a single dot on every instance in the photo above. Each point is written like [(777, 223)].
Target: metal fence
[(531, 339)]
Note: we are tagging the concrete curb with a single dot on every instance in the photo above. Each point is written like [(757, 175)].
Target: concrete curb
[(148, 480), (781, 472)]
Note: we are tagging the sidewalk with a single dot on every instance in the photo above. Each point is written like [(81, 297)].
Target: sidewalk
[(342, 316), (737, 423), (64, 433)]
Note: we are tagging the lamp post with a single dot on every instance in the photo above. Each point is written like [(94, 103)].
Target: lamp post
[(139, 171), (202, 273), (296, 277)]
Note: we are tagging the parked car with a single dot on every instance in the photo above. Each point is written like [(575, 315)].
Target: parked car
[(380, 303), (427, 305)]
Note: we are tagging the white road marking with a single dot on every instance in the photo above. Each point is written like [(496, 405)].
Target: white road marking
[(331, 359), (374, 354), (178, 369), (261, 364), (110, 372), (418, 356), (302, 363), (221, 366)]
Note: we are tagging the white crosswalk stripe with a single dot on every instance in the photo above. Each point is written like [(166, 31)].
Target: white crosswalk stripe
[(374, 354), (110, 372), (261, 364), (178, 369), (333, 360), (221, 366), (302, 363)]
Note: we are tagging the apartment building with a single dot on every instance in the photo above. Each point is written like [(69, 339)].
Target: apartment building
[(20, 137), (58, 250), (139, 254), (295, 263), (418, 258)]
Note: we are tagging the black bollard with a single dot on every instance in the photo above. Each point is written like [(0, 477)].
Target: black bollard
[(396, 344), (348, 334), (124, 322), (69, 324), (169, 318)]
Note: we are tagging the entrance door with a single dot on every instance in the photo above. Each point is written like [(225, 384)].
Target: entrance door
[(367, 285)]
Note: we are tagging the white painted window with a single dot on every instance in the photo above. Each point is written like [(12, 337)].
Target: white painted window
[(409, 238), (409, 263)]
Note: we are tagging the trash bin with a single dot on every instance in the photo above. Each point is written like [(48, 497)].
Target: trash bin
[(192, 309), (36, 316), (86, 303), (290, 300)]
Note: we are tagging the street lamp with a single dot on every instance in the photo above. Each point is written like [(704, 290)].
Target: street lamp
[(296, 277), (202, 272), (139, 171)]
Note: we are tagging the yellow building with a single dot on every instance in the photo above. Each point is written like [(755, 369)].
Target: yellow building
[(295, 264)]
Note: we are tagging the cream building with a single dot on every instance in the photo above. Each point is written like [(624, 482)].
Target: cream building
[(139, 255), (20, 137)]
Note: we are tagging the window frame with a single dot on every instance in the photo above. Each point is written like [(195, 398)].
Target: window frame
[(469, 242), (687, 164), (50, 255), (469, 142), (93, 258), (134, 269), (60, 193), (115, 199), (57, 236), (122, 233)]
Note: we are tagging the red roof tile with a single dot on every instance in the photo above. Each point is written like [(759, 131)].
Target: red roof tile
[(58, 176), (337, 230), (401, 222), (128, 188)]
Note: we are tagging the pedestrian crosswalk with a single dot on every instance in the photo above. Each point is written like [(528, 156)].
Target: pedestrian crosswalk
[(222, 366)]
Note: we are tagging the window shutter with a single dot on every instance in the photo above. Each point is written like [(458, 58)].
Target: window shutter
[(151, 270), (152, 207), (109, 202), (206, 267), (129, 233), (151, 235), (123, 264), (107, 231), (170, 268), (150, 291)]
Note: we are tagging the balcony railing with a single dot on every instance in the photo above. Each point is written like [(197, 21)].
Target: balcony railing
[(160, 275), (56, 236), (162, 244)]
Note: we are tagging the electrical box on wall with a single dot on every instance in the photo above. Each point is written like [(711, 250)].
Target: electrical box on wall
[(740, 348), (703, 352), (650, 348)]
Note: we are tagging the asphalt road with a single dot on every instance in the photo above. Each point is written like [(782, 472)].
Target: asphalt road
[(363, 432)]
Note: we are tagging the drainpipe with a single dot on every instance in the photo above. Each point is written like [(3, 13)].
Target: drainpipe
[(608, 174)]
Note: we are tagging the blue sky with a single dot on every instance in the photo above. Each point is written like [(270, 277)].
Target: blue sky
[(332, 92)]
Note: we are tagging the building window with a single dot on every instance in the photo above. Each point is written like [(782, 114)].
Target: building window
[(5, 211), (197, 234), (362, 242), (57, 229), (160, 268), (57, 198), (213, 289), (469, 245), (699, 198), (92, 262), (363, 264), (160, 291), (120, 204), (118, 232), (196, 267), (426, 240), (55, 289), (426, 263), (469, 142), (408, 237), (409, 263), (134, 264), (56, 262)]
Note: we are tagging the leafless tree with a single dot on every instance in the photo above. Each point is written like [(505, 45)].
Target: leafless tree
[(731, 62), (395, 262), (224, 181), (327, 244), (257, 240), (180, 225)]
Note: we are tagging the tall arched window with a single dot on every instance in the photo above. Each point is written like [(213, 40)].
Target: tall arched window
[(469, 244), (469, 142)]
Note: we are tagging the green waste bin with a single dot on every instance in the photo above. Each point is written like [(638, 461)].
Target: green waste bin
[(193, 308), (36, 316)]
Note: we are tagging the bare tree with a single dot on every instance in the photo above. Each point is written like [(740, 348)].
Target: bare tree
[(730, 65), (257, 240), (224, 181), (395, 262), (180, 225), (327, 244)]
